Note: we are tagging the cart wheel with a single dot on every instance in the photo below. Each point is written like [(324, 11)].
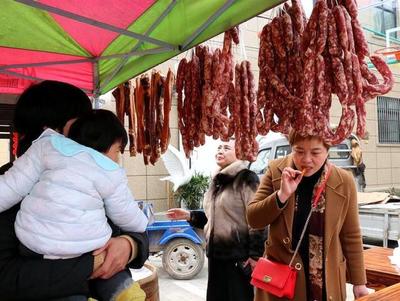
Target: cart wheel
[(183, 259)]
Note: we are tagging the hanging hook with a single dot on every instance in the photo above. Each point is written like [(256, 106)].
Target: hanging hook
[(242, 46)]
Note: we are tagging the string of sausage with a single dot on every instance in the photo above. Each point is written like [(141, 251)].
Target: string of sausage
[(328, 60), (125, 105), (209, 102)]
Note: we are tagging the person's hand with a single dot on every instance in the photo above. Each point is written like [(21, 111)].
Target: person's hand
[(117, 251), (178, 213), (251, 262), (359, 291), (289, 181)]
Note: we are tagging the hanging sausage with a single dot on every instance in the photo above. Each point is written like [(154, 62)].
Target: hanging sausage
[(147, 102), (329, 59)]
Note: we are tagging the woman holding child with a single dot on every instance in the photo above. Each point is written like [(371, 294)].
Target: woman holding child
[(56, 105)]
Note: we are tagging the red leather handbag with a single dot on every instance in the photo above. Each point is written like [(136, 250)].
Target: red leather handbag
[(277, 278)]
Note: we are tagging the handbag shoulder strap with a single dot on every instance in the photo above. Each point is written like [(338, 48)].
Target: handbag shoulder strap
[(317, 197)]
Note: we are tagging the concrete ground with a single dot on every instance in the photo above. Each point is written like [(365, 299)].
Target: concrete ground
[(194, 289), (180, 290)]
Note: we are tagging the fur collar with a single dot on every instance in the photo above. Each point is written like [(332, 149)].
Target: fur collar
[(233, 168), (228, 174)]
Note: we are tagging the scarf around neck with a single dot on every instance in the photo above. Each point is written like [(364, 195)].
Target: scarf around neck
[(316, 273), (312, 246)]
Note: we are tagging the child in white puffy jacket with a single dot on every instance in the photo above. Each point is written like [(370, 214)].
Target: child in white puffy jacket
[(68, 188)]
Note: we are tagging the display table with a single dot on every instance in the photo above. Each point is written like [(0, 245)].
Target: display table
[(150, 283), (390, 293), (380, 272)]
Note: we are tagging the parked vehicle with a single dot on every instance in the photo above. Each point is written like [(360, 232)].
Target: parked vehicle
[(340, 154), (381, 222), (181, 245)]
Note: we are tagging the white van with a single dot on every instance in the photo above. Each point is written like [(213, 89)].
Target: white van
[(340, 154)]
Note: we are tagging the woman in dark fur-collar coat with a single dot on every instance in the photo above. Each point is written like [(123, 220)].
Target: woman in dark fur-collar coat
[(232, 246)]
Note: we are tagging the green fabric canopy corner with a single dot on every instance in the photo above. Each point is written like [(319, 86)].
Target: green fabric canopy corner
[(97, 45)]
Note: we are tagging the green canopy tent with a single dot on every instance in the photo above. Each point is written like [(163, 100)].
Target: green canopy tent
[(98, 44)]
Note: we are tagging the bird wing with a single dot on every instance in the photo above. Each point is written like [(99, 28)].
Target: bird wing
[(177, 166)]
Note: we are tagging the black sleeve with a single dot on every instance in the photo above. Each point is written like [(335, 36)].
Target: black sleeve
[(5, 167), (142, 241), (280, 204), (23, 278), (198, 219)]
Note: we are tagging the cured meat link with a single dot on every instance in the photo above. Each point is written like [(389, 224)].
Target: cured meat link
[(166, 132), (132, 122)]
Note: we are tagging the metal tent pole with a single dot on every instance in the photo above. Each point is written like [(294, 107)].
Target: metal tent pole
[(96, 23), (149, 31), (211, 19)]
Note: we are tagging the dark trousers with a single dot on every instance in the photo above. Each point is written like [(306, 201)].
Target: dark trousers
[(227, 282), (101, 289), (106, 289), (72, 298)]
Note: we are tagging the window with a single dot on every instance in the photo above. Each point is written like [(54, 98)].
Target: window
[(261, 163), (340, 151), (388, 120), (282, 151), (385, 16)]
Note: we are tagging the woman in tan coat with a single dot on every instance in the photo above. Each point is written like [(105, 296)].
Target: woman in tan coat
[(332, 247)]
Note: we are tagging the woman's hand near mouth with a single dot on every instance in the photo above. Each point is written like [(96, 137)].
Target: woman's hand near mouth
[(289, 181)]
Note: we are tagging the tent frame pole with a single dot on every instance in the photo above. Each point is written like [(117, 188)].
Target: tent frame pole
[(24, 76), (33, 78), (211, 19), (49, 63), (96, 81), (86, 60), (93, 22), (149, 31)]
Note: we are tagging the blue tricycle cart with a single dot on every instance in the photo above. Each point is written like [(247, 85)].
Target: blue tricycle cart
[(181, 245)]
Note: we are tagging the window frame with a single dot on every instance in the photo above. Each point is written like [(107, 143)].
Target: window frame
[(286, 147), (381, 10), (338, 149), (251, 166), (388, 107), (6, 125)]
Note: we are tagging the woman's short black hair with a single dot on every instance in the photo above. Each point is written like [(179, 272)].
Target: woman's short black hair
[(99, 130), (48, 104)]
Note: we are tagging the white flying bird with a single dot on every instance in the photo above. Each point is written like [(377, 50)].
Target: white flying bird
[(177, 166)]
